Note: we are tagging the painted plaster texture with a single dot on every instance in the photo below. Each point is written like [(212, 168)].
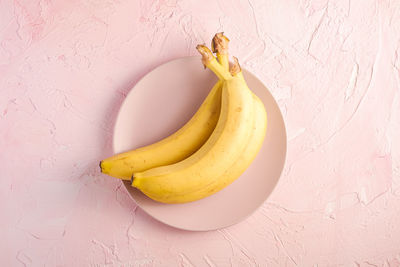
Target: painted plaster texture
[(333, 67)]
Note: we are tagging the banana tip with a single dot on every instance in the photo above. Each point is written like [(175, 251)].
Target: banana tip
[(134, 181), (206, 54), (235, 67), (219, 43), (104, 167)]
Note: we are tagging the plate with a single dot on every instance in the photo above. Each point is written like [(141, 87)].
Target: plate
[(163, 101)]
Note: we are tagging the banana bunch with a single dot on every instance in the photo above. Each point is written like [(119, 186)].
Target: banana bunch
[(211, 150)]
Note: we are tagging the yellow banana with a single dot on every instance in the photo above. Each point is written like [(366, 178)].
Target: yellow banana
[(231, 148), (172, 149), (240, 165), (211, 151), (182, 143), (220, 151)]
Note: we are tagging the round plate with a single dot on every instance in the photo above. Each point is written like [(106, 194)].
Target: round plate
[(163, 101)]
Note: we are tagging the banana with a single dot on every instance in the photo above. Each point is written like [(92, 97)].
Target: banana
[(240, 165), (211, 150), (231, 148), (172, 149), (222, 149), (182, 143)]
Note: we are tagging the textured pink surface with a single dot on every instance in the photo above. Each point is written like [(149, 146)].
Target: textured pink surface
[(333, 66)]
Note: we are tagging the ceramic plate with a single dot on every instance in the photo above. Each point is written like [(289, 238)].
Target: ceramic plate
[(163, 101)]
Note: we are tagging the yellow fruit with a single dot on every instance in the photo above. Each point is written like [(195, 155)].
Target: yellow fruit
[(211, 151), (175, 183), (182, 143), (239, 166), (228, 152), (172, 149)]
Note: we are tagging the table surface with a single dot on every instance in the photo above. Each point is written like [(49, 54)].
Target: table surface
[(333, 67)]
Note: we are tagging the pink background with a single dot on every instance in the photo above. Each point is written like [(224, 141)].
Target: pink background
[(333, 67)]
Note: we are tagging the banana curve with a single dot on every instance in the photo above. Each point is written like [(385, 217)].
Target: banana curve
[(221, 150), (173, 148)]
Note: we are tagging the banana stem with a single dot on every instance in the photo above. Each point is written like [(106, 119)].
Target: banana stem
[(219, 45), (235, 69), (211, 62), (219, 70), (223, 60)]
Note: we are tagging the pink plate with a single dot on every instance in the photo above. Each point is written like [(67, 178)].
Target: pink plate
[(161, 103)]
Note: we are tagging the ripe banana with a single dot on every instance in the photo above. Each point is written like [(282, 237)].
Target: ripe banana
[(172, 149), (231, 148), (182, 143), (240, 165)]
